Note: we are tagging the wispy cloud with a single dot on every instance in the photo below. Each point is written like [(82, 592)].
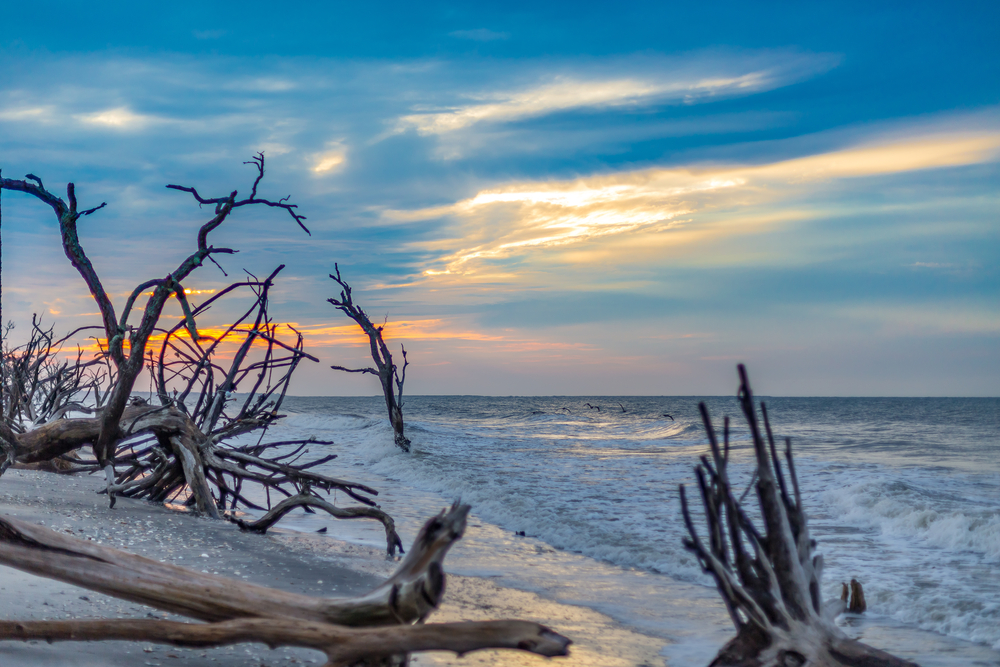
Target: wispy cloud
[(568, 92), (925, 319), (38, 114), (522, 219), (118, 118), (330, 160)]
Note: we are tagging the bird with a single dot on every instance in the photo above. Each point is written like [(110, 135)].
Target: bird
[(669, 417), (593, 407)]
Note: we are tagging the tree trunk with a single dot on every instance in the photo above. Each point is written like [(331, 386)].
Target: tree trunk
[(396, 419)]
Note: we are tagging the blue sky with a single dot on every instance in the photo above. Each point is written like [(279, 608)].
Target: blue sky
[(544, 198)]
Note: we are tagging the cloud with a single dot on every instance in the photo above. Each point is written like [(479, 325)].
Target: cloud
[(117, 118), (932, 265), (479, 35), (925, 319), (667, 84), (38, 114), (526, 219), (330, 160)]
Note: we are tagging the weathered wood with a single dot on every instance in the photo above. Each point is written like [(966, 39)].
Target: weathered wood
[(308, 499), (343, 646), (408, 596), (772, 590), (65, 435), (128, 367), (371, 627), (391, 376), (198, 458)]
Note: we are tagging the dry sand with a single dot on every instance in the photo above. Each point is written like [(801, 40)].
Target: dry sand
[(311, 564)]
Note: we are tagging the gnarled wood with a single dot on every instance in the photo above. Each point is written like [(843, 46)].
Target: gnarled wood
[(196, 460), (343, 646), (308, 499), (408, 596), (770, 582), (370, 627), (390, 376)]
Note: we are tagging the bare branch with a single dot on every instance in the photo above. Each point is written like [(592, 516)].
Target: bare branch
[(355, 370)]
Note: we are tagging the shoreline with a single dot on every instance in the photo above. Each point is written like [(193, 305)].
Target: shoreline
[(286, 559), (327, 566)]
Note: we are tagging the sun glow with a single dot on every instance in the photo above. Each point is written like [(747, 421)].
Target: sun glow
[(536, 218)]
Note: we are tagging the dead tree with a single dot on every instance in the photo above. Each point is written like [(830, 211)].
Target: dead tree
[(39, 384), (380, 627), (770, 581), (116, 328), (390, 376), (187, 449)]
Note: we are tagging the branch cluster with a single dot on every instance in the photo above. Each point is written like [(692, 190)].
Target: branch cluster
[(187, 449), (770, 580)]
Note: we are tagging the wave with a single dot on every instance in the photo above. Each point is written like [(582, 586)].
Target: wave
[(925, 540)]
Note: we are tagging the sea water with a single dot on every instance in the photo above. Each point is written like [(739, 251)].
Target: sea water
[(902, 494)]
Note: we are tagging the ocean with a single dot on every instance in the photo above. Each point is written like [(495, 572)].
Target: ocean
[(902, 494)]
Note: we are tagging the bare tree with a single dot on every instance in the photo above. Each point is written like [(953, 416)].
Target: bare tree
[(390, 376), (769, 581), (116, 329), (186, 449)]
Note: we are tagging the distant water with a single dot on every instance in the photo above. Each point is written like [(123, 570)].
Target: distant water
[(902, 494)]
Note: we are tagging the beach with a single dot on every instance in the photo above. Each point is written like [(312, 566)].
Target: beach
[(901, 494), (293, 561), (71, 504)]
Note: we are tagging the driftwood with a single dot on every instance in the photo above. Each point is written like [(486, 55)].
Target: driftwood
[(184, 449), (770, 581), (117, 329), (372, 627), (390, 376), (186, 460)]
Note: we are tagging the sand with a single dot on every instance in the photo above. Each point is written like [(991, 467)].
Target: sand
[(305, 563)]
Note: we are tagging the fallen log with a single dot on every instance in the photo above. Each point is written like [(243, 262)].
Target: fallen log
[(343, 646), (374, 626), (770, 581)]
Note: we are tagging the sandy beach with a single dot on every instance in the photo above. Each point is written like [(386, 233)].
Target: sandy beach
[(305, 563)]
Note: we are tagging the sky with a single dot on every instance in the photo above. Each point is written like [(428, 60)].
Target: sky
[(538, 198)]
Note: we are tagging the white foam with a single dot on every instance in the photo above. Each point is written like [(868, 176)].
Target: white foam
[(925, 542)]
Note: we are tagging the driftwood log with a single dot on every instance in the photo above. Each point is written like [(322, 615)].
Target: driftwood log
[(770, 581), (374, 628)]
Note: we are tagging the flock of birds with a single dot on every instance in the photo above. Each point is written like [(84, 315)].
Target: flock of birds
[(598, 408)]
